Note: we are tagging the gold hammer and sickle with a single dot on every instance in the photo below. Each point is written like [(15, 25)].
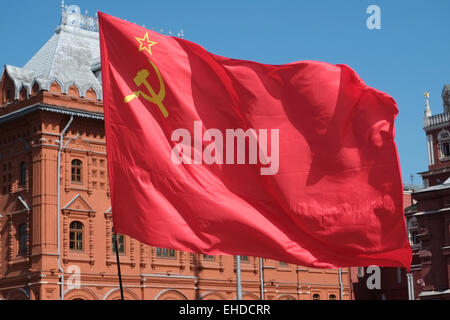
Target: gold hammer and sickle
[(141, 79)]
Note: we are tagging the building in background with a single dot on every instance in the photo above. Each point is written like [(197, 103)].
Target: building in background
[(428, 220), (55, 211), (427, 214), (393, 282)]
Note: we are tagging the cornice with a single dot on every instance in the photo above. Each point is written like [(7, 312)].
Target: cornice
[(49, 108)]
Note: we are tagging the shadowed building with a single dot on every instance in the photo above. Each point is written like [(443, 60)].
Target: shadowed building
[(429, 219), (393, 283), (427, 213), (46, 182)]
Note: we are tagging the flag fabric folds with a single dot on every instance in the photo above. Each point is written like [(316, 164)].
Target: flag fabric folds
[(208, 154)]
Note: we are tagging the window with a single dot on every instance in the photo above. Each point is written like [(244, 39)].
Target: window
[(120, 243), (76, 170), (332, 297), (446, 149), (245, 259), (413, 232), (23, 174), (23, 243), (316, 296), (166, 253), (76, 236), (283, 264), (209, 257), (444, 143)]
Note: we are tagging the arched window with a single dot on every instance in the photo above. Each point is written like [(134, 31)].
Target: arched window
[(332, 297), (76, 170), (23, 243), (316, 296), (120, 243), (76, 236), (444, 143), (413, 231), (23, 174)]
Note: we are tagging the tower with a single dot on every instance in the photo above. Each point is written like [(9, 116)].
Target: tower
[(437, 129), (428, 219)]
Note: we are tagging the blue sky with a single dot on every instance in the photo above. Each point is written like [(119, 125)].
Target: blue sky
[(409, 55)]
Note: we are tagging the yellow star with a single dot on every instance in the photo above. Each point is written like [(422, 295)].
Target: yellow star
[(145, 43)]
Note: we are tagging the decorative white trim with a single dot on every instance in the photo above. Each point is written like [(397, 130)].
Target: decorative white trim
[(444, 132), (203, 295), (125, 290), (430, 149), (24, 203), (169, 290), (74, 199)]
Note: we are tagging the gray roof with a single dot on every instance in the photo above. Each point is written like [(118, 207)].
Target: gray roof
[(445, 185), (48, 108), (69, 57)]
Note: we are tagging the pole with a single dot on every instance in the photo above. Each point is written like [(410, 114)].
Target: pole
[(410, 282), (238, 278), (341, 288), (58, 205), (261, 276), (118, 265)]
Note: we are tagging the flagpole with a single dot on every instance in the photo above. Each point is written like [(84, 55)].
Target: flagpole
[(118, 265), (261, 276), (238, 278)]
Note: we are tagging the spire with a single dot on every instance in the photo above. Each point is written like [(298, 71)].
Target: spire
[(72, 19), (63, 13), (428, 114), (427, 105)]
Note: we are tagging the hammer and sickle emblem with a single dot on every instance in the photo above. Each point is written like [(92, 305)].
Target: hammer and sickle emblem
[(141, 79)]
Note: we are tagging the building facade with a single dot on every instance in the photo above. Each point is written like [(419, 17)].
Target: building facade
[(427, 214), (56, 238), (428, 220), (383, 283)]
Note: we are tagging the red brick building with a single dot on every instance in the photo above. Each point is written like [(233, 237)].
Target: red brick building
[(55, 214)]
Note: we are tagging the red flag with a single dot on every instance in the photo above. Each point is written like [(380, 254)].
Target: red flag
[(214, 155)]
